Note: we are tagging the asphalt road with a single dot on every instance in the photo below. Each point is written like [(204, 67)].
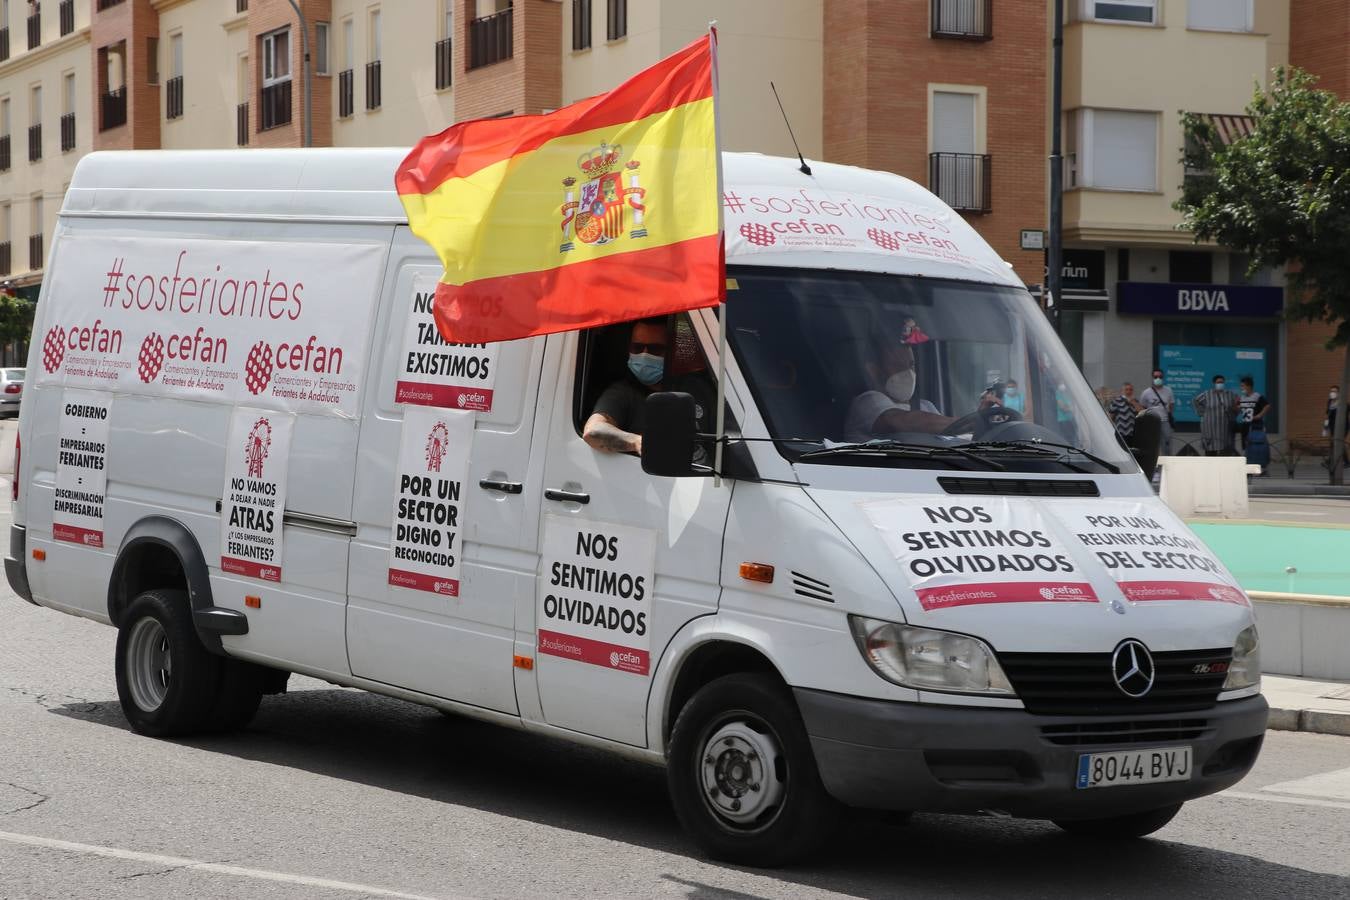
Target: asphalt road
[(334, 793)]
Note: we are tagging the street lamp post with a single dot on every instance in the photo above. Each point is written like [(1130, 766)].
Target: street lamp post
[(309, 75), (1055, 255)]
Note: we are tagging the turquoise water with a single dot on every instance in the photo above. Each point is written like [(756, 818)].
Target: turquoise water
[(1258, 555)]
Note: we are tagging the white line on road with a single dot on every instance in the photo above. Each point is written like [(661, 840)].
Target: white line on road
[(1276, 798), (1332, 785), (200, 866)]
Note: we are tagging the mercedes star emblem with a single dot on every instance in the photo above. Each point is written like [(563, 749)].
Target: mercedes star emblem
[(1132, 667)]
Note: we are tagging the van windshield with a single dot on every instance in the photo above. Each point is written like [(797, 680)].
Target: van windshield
[(853, 368)]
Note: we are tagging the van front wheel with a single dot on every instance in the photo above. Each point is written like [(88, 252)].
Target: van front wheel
[(167, 682), (742, 777)]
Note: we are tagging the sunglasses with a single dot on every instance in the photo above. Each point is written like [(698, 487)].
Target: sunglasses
[(653, 349)]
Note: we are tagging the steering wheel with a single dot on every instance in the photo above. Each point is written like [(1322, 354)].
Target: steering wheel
[(982, 420)]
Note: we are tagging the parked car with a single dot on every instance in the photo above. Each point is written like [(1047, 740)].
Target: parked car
[(11, 390)]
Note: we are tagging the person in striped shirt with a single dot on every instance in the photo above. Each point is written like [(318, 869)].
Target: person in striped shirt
[(1124, 410)]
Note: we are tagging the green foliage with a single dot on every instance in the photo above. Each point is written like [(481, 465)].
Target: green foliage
[(16, 318), (1281, 195)]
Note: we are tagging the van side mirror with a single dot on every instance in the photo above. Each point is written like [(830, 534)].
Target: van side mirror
[(1145, 442), (669, 426)]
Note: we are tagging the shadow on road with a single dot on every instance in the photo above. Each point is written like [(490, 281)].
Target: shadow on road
[(396, 746)]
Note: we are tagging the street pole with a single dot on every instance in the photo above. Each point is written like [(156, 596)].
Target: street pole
[(309, 75), (1054, 263)]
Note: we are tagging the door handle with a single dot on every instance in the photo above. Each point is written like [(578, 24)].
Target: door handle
[(506, 487), (567, 496)]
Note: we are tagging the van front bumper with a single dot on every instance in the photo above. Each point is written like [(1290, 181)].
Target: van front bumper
[(880, 754)]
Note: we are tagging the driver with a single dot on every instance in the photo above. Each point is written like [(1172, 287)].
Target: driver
[(888, 408)]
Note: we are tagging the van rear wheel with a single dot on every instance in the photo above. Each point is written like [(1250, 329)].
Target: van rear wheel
[(1134, 825), (167, 682), (742, 777)]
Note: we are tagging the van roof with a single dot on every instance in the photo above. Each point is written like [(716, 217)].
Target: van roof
[(356, 185)]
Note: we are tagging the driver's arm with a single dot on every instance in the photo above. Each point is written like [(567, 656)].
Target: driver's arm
[(603, 433), (893, 420)]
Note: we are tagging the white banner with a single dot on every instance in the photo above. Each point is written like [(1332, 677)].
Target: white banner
[(433, 467), (990, 550), (269, 323), (1148, 552), (435, 372), (81, 468), (253, 503), (595, 594)]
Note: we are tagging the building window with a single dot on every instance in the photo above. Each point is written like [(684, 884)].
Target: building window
[(274, 100), (36, 216), (35, 124), (581, 24), (958, 171), (490, 34), (112, 101), (34, 25), (6, 237), (373, 66), (970, 20), (1219, 15), (66, 11), (276, 56), (5, 160), (1113, 150), (1141, 12), (617, 19), (152, 60), (321, 30), (68, 112), (346, 78), (173, 94)]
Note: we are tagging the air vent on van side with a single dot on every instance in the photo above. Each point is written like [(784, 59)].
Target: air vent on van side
[(1022, 487), (813, 588)]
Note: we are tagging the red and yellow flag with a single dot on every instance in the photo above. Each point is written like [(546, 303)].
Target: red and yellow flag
[(603, 211)]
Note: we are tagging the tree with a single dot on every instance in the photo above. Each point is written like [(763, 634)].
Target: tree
[(1281, 195), (16, 318)]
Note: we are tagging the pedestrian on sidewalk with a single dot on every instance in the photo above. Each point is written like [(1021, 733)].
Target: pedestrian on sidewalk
[(1124, 409), (1329, 427), (1158, 400), (1251, 423), (1217, 409), (1013, 399)]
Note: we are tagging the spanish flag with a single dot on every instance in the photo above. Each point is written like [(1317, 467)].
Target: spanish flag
[(603, 211)]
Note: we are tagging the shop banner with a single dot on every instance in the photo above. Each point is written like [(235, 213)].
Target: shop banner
[(81, 468), (433, 371), (1191, 371), (1210, 301), (253, 503), (1148, 552), (995, 550), (271, 324), (595, 594), (433, 467)]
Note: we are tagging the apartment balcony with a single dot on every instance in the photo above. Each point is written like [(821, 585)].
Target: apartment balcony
[(67, 132), (34, 30), (373, 85), (5, 159), (961, 180), (241, 125), (443, 64), (34, 142), (112, 109), (275, 103), (6, 264), (963, 20), (346, 93), (35, 251), (173, 98), (67, 11), (490, 39)]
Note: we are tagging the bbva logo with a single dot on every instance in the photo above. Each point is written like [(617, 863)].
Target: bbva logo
[(1200, 300)]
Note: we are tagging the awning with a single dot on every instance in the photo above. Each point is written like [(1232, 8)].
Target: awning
[(1228, 128)]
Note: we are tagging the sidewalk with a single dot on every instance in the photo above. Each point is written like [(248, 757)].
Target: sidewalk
[(1301, 704), (1310, 479)]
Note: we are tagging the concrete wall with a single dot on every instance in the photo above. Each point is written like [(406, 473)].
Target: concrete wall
[(214, 37), (1304, 639)]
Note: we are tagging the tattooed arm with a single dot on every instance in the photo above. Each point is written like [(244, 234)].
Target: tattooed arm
[(602, 433)]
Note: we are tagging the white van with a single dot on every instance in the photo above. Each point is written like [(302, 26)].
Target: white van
[(929, 578)]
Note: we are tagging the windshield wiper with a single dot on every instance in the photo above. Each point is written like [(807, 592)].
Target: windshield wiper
[(901, 449), (1046, 447)]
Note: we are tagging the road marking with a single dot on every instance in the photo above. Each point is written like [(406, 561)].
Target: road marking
[(1278, 798), (1331, 785), (176, 862)]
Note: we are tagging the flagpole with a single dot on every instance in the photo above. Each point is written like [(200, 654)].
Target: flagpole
[(721, 288)]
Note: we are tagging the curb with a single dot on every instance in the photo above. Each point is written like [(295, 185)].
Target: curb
[(1313, 721)]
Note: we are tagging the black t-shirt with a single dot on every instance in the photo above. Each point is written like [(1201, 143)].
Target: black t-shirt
[(625, 401)]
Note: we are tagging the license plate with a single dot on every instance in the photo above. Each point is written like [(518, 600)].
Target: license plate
[(1124, 767)]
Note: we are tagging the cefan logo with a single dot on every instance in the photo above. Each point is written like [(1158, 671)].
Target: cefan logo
[(1059, 592), (438, 441), (884, 239), (53, 348), (256, 448), (150, 360), (258, 367), (620, 658), (757, 234)]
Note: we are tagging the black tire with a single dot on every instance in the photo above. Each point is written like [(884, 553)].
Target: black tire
[(241, 690), (750, 711), (1135, 825), (159, 657)]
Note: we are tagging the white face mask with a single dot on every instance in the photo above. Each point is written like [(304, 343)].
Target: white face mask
[(900, 386), (1334, 394)]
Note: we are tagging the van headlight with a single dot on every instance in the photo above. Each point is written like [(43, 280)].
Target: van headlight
[(1245, 669), (929, 660)]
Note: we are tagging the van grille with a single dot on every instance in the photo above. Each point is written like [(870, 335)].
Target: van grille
[(1083, 684), (1022, 487), (1117, 733)]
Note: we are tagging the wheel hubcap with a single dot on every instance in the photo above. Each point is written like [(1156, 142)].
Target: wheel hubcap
[(739, 773), (149, 664)]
